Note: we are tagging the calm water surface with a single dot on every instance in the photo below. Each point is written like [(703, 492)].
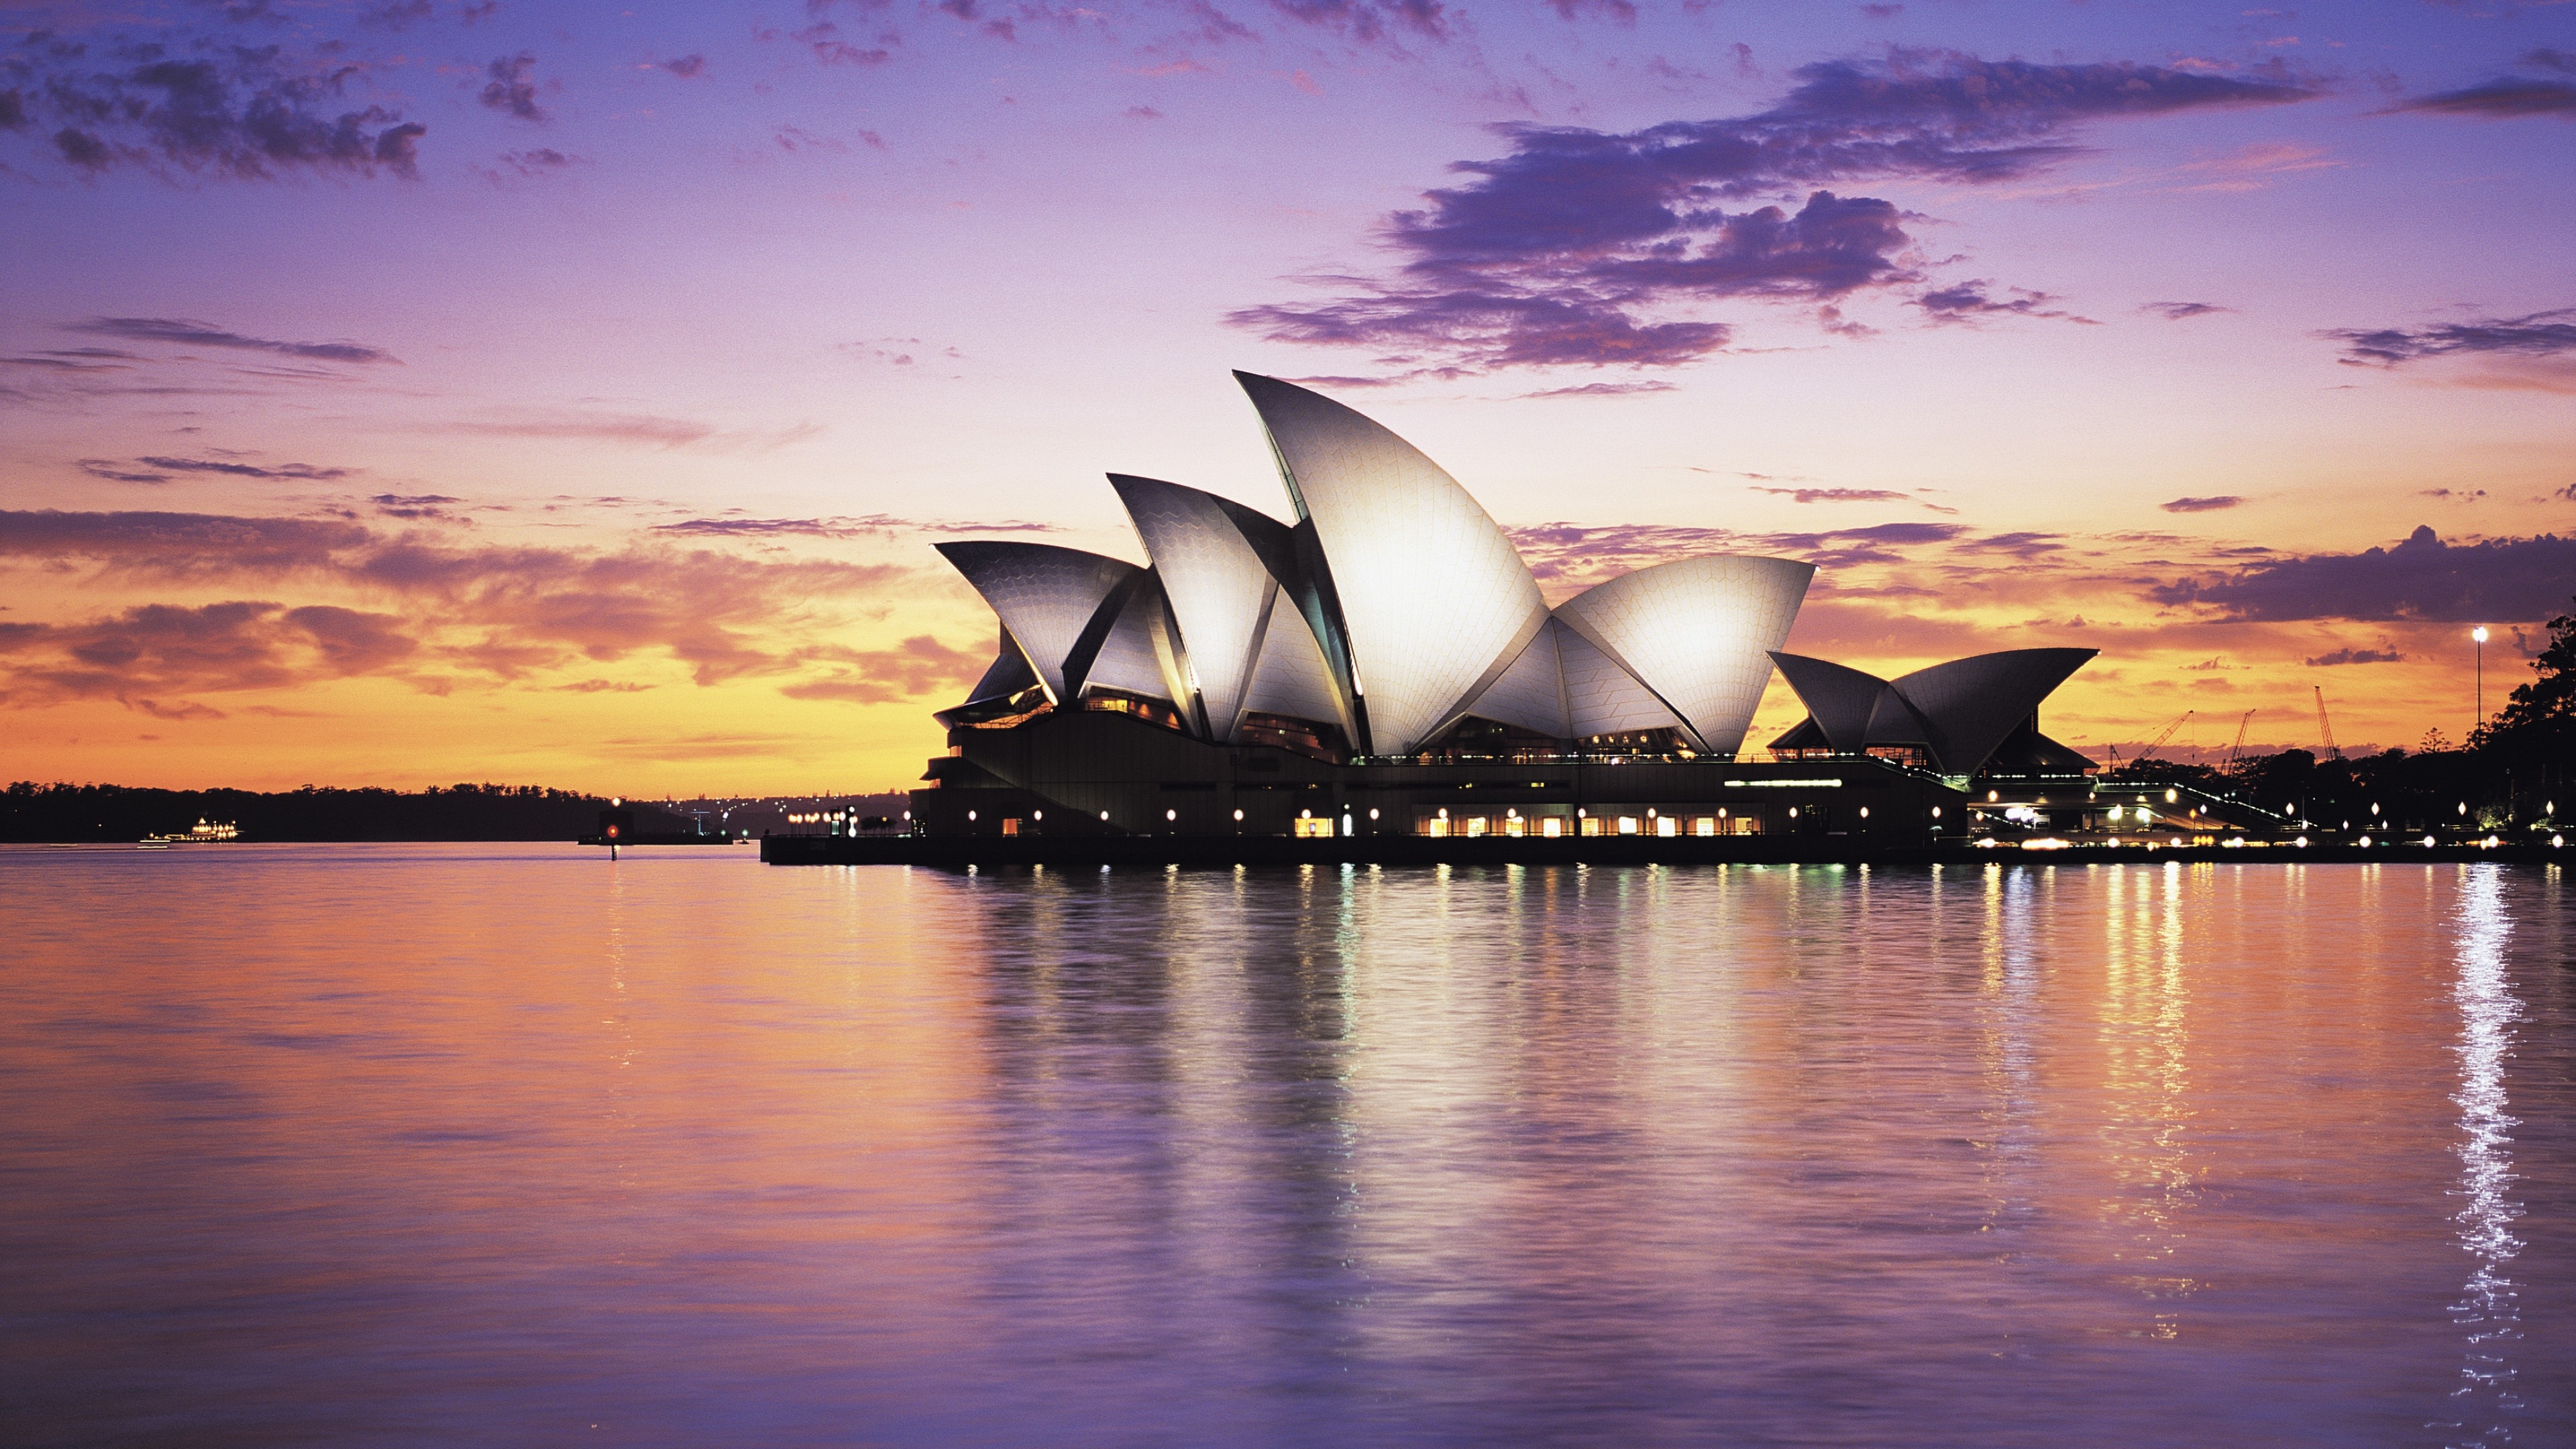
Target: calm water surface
[(447, 1145)]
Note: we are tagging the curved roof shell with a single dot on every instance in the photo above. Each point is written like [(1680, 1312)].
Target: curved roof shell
[(1972, 704), (1698, 632), (1839, 698), (1046, 596), (1219, 587), (1960, 711), (1433, 600)]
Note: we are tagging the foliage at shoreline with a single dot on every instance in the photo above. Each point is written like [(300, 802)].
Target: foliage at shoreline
[(2513, 772)]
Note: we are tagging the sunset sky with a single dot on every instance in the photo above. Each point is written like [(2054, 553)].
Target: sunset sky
[(413, 392)]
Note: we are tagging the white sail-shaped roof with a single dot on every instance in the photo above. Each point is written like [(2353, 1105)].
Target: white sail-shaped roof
[(1128, 659), (1698, 632), (1972, 704), (1215, 580), (1045, 596), (1960, 711), (1530, 694), (1289, 677), (1433, 599), (1601, 697)]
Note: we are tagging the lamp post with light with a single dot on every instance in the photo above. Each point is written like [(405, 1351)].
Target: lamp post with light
[(2480, 635)]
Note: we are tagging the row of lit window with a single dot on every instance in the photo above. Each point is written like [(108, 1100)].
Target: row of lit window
[(1513, 824)]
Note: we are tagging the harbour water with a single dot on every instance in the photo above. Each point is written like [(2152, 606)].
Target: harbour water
[(442, 1145)]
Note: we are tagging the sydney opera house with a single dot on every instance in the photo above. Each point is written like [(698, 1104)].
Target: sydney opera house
[(1386, 663)]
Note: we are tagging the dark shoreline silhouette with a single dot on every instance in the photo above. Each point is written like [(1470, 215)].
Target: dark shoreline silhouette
[(75, 813)]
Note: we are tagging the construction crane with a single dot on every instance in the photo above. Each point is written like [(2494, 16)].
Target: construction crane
[(2161, 736), (2239, 747), (2325, 727)]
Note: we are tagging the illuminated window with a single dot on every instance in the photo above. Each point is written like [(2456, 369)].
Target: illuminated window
[(1010, 825), (1474, 825), (1703, 825), (1591, 825), (1667, 825), (1551, 827), (1627, 825), (1309, 828), (1515, 827)]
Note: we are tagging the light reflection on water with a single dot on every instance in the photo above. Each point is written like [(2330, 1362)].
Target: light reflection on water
[(2487, 1400), (437, 1145)]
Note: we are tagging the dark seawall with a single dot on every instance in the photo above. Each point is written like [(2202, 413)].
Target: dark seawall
[(1205, 851)]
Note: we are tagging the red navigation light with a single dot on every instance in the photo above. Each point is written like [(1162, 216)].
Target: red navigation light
[(612, 832)]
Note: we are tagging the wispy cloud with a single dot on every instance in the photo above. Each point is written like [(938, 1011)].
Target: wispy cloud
[(2209, 504), (2510, 97), (1966, 302), (2538, 334), (502, 612), (920, 665), (2354, 656), (180, 331)]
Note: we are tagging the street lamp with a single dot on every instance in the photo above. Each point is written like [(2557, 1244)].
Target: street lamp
[(2480, 634)]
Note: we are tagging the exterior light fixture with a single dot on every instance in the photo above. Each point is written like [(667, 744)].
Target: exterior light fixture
[(2303, 842), (970, 815), (1171, 815), (1992, 797), (1238, 815), (2464, 807), (1309, 814), (1936, 812), (1372, 813), (2557, 841), (2171, 797), (1793, 812), (1444, 813), (1104, 815), (2374, 807), (1650, 812), (2364, 842), (1864, 812), (1037, 815)]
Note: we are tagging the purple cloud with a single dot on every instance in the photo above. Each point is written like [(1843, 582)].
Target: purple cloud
[(1840, 495), (2509, 97), (2541, 334), (1964, 302), (244, 470), (1576, 247), (1368, 21), (2201, 505), (183, 332), (512, 89), (2355, 656), (2422, 578), (2183, 311), (246, 114)]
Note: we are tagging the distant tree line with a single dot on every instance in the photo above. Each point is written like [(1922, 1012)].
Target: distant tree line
[(2511, 775), (58, 812)]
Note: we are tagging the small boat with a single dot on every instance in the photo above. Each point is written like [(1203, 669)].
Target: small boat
[(204, 832)]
